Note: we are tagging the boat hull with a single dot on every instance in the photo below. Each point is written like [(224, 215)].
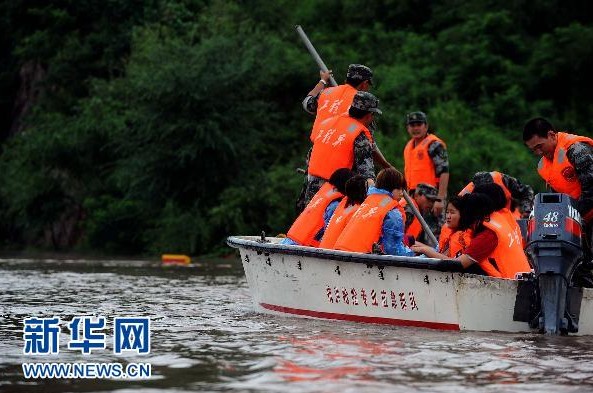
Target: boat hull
[(375, 289)]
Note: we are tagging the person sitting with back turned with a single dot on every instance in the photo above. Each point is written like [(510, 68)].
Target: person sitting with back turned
[(308, 228), (356, 192), (379, 220)]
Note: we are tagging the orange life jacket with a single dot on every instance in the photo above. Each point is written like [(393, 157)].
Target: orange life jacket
[(333, 145), (516, 213), (459, 242), (512, 221), (366, 225), (444, 236), (508, 254), (415, 228), (341, 217), (333, 101), (418, 166), (497, 179), (559, 172), (310, 221), (453, 244)]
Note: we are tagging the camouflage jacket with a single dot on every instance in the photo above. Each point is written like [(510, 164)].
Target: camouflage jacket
[(310, 104), (580, 155), (440, 158)]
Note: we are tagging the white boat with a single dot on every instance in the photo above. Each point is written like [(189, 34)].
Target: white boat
[(413, 291)]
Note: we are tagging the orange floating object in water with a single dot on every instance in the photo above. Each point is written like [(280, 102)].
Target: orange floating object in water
[(175, 259)]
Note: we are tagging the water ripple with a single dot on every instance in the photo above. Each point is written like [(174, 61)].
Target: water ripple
[(206, 337)]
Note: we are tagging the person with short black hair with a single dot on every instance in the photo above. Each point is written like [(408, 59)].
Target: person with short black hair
[(426, 161), (325, 101), (344, 141), (328, 101), (566, 165)]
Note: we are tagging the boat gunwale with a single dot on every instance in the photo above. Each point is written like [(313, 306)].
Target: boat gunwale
[(342, 256)]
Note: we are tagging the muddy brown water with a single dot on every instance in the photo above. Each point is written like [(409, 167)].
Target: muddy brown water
[(206, 336)]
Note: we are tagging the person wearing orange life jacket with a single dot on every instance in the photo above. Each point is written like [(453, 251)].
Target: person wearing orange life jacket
[(308, 228), (566, 165), (426, 161), (328, 101), (514, 190), (500, 199), (356, 192), (493, 250), (423, 197), (344, 141), (500, 203), (452, 241), (332, 101), (379, 220)]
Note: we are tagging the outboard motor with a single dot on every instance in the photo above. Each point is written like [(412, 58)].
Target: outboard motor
[(554, 245)]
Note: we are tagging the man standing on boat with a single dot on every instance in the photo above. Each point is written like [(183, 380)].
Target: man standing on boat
[(325, 102), (344, 141), (332, 101), (566, 165), (426, 161)]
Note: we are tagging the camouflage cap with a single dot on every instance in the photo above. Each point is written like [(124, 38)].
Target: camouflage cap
[(416, 117), (359, 72), (367, 102), (428, 191)]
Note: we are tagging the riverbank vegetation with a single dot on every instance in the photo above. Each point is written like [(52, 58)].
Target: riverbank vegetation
[(139, 127)]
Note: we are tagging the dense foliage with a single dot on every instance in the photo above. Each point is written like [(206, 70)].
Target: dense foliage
[(164, 126)]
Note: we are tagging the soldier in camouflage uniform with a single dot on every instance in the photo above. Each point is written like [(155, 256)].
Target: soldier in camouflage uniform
[(563, 175), (425, 197), (418, 128), (364, 107), (358, 77)]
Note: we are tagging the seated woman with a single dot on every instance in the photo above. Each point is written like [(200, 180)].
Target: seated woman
[(308, 228), (489, 252), (356, 192), (379, 220), (452, 241)]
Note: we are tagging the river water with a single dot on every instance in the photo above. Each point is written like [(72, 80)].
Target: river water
[(205, 336)]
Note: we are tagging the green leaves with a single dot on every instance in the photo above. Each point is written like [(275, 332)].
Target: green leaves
[(165, 126)]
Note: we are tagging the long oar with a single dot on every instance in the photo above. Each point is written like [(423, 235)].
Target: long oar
[(425, 226), (377, 155), (323, 68), (314, 53)]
